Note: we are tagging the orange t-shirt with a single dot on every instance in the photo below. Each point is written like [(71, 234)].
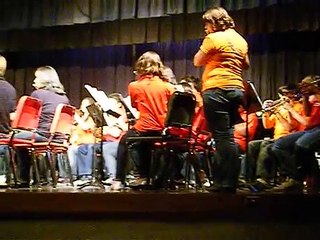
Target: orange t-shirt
[(150, 96), (272, 121), (226, 52)]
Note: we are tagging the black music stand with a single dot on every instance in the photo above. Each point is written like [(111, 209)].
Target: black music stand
[(252, 104), (96, 113)]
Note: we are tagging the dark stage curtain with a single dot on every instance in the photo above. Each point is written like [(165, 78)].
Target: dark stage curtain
[(32, 25), (93, 41), (20, 14), (276, 59)]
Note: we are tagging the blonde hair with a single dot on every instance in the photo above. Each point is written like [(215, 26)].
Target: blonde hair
[(219, 18), (149, 63), (3, 65), (50, 80)]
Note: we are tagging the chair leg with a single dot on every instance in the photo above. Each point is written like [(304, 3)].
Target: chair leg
[(68, 168), (12, 167), (35, 168), (52, 165), (64, 160)]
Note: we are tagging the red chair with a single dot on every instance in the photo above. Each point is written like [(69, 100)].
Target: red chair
[(58, 142), (26, 119)]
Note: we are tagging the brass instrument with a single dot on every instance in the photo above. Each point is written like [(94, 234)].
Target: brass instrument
[(274, 105)]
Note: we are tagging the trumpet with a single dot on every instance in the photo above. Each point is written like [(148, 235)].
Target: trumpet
[(274, 105)]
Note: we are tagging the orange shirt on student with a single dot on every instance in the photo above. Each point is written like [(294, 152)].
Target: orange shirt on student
[(150, 96), (272, 121), (226, 51)]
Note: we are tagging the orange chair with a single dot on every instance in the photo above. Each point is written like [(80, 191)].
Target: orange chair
[(58, 142), (26, 119)]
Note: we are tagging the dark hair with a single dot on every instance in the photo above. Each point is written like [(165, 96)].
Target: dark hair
[(193, 80)]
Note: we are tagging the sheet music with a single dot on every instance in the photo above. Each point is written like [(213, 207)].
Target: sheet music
[(127, 101), (102, 99)]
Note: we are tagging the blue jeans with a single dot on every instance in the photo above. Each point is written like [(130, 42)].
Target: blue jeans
[(296, 150), (23, 156), (109, 152), (221, 112), (85, 159)]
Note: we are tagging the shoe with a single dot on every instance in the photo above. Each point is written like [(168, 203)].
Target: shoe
[(108, 181), (117, 185), (138, 182), (260, 185), (290, 185)]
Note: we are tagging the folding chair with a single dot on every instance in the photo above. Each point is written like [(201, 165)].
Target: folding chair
[(58, 142), (177, 136), (26, 119)]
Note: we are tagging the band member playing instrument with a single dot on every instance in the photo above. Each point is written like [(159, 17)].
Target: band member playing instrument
[(284, 116), (112, 133), (245, 132), (224, 53), (82, 140), (149, 95), (295, 151)]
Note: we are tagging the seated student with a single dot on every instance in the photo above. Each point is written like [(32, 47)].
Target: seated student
[(295, 152), (80, 152), (50, 91), (117, 125), (260, 164), (149, 95), (247, 127), (193, 85), (8, 103)]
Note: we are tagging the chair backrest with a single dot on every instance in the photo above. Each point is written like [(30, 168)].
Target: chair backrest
[(63, 119), (181, 108), (27, 113)]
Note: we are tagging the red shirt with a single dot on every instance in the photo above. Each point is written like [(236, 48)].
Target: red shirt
[(150, 96), (252, 127), (314, 118)]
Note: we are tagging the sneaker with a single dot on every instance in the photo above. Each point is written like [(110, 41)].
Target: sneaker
[(116, 185), (259, 185), (108, 181), (139, 181), (290, 185)]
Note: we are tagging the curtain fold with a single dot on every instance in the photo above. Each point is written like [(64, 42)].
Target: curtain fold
[(24, 14), (276, 60), (177, 27)]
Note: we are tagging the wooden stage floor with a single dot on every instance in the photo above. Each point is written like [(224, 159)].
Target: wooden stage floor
[(69, 213), (72, 202)]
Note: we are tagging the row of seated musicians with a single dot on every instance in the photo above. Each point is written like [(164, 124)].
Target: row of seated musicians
[(77, 158)]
